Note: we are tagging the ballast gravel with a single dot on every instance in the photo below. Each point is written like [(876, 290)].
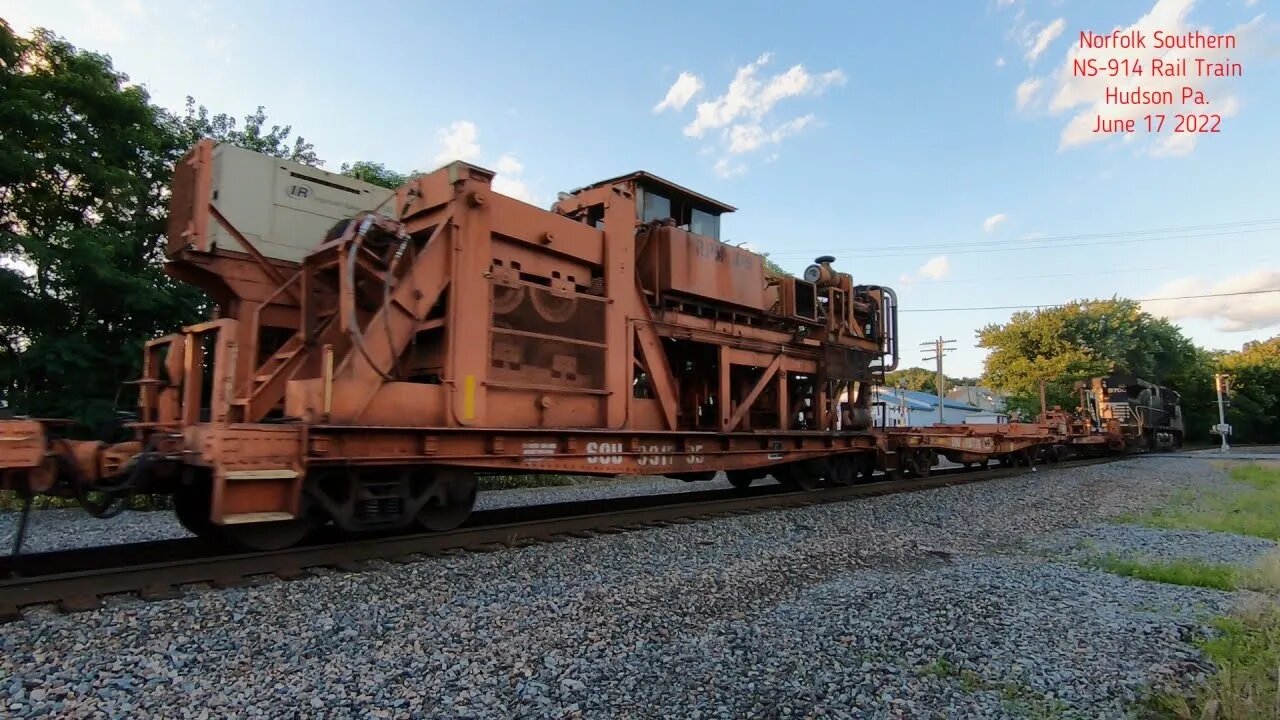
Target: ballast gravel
[(1155, 545), (933, 604), (68, 528)]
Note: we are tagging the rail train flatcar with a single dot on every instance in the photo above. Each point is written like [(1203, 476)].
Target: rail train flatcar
[(373, 352)]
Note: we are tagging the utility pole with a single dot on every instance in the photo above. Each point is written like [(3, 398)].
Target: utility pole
[(1222, 428), (939, 349)]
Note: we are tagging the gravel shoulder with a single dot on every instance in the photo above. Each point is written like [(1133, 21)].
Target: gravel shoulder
[(936, 604), (68, 528)]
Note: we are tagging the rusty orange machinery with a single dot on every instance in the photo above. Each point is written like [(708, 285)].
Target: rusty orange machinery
[(446, 331)]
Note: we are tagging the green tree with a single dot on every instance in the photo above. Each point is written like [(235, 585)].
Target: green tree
[(773, 267), (1084, 339), (376, 174), (916, 378), (85, 160), (1254, 374), (197, 124)]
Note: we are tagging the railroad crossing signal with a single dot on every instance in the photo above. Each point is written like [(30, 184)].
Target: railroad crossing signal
[(1222, 383)]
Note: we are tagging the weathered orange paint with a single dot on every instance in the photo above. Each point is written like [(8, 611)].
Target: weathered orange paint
[(473, 330)]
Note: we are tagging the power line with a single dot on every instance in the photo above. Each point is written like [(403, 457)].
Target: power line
[(1018, 246), (1080, 236), (1052, 305), (1128, 270)]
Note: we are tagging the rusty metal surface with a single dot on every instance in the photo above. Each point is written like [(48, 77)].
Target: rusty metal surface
[(22, 444), (706, 268)]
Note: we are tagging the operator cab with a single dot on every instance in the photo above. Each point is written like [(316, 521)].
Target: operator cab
[(656, 199)]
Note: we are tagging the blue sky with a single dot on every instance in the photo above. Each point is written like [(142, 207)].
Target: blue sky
[(927, 146)]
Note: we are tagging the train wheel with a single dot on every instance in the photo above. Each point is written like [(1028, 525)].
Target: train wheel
[(844, 469), (920, 463), (268, 536), (450, 498), (740, 480), (867, 467), (800, 476), (806, 481), (191, 505)]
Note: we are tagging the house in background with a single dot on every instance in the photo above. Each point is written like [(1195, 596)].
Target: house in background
[(983, 398), (908, 408)]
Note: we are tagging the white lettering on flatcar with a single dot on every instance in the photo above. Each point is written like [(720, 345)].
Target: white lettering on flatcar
[(604, 453), (655, 455), (534, 451), (692, 456)]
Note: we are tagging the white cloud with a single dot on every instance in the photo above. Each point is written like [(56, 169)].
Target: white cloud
[(1042, 39), (514, 187), (749, 98), (1007, 3), (1086, 97), (1234, 313), (937, 268), (680, 93), (1027, 90), (999, 62), (994, 221), (508, 165), (746, 138), (458, 142), (509, 179), (738, 121), (726, 168)]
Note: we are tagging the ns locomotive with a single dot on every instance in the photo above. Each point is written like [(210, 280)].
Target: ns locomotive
[(1134, 414)]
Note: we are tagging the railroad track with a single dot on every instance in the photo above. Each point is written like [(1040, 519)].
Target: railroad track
[(78, 580)]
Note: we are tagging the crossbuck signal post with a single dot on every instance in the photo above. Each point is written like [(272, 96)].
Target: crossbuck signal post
[(939, 348), (1222, 383)]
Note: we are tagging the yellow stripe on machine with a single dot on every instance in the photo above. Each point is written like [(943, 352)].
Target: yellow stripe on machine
[(469, 397)]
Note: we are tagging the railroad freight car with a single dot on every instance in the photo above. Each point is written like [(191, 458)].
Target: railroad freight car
[(374, 351)]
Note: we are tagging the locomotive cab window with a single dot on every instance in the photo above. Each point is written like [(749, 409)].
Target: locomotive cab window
[(704, 224), (655, 206)]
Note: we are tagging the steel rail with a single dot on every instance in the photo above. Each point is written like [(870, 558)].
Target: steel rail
[(77, 580)]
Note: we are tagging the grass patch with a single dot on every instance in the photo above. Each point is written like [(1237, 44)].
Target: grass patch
[(1016, 697), (1246, 650), (1250, 505), (1245, 646), (9, 500), (516, 482), (1176, 572)]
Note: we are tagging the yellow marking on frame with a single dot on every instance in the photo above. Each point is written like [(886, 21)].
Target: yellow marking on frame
[(469, 397)]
